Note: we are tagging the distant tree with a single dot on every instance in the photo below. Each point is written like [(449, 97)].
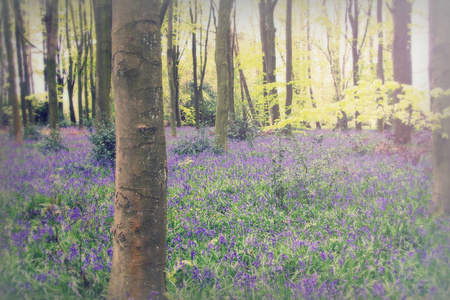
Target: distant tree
[(380, 69), (223, 84), (230, 57), (439, 70), (51, 22), (12, 93), (140, 207), (102, 13), (309, 49), (401, 57), (288, 57)]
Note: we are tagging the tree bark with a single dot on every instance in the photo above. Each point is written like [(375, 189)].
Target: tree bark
[(194, 63), (173, 128), (2, 77), (439, 74), (87, 36), (102, 12), (401, 56), (309, 49), (176, 64), (230, 46), (52, 41), (271, 61), (263, 34), (288, 104), (71, 75), (139, 230), (222, 68), (380, 70), (20, 63), (12, 93)]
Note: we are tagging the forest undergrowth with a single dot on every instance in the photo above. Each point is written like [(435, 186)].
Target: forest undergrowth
[(319, 214)]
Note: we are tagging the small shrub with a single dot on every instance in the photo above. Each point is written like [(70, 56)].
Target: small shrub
[(242, 130), (196, 144), (32, 133), (52, 143), (103, 140)]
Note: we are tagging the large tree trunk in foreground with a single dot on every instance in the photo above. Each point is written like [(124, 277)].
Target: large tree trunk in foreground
[(439, 71), (223, 85), (52, 40), (140, 208), (102, 13), (12, 92), (401, 56)]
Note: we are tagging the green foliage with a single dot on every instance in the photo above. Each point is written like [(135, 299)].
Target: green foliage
[(32, 133), (103, 140), (52, 143), (196, 144)]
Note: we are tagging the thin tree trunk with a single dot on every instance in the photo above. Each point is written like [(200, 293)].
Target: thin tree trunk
[(20, 65), (222, 68), (288, 104), (91, 64), (87, 36), (309, 49), (102, 11), (2, 77), (52, 41), (60, 75), (176, 64), (170, 70), (380, 70), (71, 75), (12, 93), (439, 70), (140, 206), (194, 62), (263, 33), (271, 61), (203, 68), (230, 46), (353, 15), (401, 56), (244, 84)]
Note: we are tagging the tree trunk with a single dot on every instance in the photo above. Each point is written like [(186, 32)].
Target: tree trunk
[(87, 36), (288, 105), (230, 46), (244, 85), (52, 41), (71, 74), (20, 63), (203, 68), (12, 93), (91, 62), (194, 63), (439, 74), (401, 56), (140, 207), (2, 78), (173, 128), (271, 61), (263, 33), (353, 15), (176, 63), (102, 12), (222, 68), (380, 71), (309, 49)]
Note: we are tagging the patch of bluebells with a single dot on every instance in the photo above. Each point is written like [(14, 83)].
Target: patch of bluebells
[(356, 220)]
